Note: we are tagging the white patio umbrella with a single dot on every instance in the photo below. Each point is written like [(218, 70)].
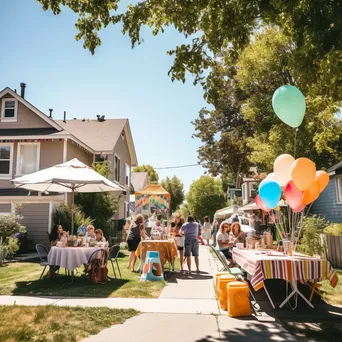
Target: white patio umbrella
[(72, 176)]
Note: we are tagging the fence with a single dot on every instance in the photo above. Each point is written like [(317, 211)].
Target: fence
[(334, 254)]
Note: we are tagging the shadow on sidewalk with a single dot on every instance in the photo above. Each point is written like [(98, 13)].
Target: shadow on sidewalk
[(175, 276)]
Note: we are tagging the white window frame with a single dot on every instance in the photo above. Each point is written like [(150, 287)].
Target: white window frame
[(127, 176), (338, 197), (15, 118), (117, 180), (18, 155), (9, 175)]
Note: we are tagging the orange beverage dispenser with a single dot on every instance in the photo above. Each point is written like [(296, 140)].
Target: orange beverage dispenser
[(223, 280), (238, 299)]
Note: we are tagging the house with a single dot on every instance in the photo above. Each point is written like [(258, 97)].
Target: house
[(31, 141), (249, 184), (329, 202)]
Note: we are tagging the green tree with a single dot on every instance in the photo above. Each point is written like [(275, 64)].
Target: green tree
[(242, 100), (211, 26), (152, 173), (175, 188), (99, 206), (205, 196)]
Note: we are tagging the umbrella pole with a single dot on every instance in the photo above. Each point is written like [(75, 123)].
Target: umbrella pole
[(72, 210)]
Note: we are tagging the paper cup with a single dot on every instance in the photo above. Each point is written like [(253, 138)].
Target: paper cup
[(239, 245)]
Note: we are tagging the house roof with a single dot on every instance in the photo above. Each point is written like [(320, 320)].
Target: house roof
[(52, 122), (101, 136), (335, 167), (139, 180)]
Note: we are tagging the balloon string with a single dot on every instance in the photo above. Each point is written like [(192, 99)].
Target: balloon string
[(295, 143)]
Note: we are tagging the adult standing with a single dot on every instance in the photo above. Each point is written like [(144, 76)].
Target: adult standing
[(133, 240), (191, 245), (176, 227), (206, 231), (215, 228)]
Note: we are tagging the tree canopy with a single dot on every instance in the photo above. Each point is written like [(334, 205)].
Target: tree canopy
[(243, 130), (213, 25), (152, 173), (175, 188), (205, 196)]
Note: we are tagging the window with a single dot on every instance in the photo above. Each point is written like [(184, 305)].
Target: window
[(6, 160), (28, 158), (117, 169), (9, 110), (128, 175), (339, 189), (99, 158)]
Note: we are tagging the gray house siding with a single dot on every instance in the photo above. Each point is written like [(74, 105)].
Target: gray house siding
[(326, 205), (36, 221), (122, 151), (5, 207)]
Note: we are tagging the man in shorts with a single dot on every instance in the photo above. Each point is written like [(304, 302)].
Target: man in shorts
[(191, 246)]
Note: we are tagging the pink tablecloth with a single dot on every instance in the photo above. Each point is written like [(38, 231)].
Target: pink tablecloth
[(70, 257), (278, 266)]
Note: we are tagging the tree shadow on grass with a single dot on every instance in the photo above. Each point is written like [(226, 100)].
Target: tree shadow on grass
[(61, 287)]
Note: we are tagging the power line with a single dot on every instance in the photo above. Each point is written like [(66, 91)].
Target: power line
[(176, 167)]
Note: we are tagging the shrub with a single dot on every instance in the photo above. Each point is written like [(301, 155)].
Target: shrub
[(334, 229), (62, 216), (311, 242), (9, 225)]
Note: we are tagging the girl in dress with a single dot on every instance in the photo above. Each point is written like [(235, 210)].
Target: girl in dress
[(206, 234)]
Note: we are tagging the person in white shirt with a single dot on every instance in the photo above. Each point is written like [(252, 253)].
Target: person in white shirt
[(223, 239)]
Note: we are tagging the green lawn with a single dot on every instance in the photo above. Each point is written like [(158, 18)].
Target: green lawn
[(23, 279), (333, 295), (58, 324)]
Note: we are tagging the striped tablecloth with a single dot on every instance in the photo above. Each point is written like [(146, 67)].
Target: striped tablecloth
[(278, 266)]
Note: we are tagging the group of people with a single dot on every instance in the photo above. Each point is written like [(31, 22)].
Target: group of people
[(88, 232)]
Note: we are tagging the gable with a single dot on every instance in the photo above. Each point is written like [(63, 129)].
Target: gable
[(28, 116)]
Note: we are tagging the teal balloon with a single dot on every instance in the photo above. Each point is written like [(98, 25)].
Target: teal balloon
[(270, 192), (288, 102)]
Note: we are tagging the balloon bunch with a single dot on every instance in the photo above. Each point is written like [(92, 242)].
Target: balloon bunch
[(295, 180)]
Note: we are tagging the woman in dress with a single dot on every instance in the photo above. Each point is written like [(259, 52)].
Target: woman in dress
[(206, 231), (133, 240), (237, 234), (179, 239)]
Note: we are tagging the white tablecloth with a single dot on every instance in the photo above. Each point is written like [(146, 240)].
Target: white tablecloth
[(70, 257)]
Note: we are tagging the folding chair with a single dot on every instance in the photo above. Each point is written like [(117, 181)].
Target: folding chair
[(98, 254), (112, 257), (42, 253)]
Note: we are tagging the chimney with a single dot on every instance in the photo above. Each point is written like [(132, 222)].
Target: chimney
[(22, 86), (64, 120), (50, 110)]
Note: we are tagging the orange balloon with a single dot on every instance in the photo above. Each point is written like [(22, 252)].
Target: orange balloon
[(312, 193), (282, 168), (303, 173), (323, 179)]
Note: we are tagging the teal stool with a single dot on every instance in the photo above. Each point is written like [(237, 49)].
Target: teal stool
[(152, 269)]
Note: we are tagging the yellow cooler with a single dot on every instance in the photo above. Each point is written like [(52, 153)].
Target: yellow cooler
[(238, 299), (218, 275), (223, 280)]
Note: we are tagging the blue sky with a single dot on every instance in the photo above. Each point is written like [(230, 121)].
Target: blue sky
[(39, 49)]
